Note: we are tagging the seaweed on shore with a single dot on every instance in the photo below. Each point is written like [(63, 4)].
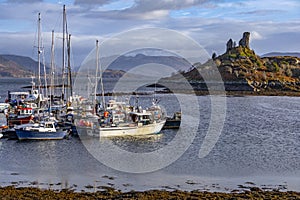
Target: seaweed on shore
[(11, 192)]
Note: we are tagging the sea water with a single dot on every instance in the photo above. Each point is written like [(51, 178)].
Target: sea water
[(259, 146)]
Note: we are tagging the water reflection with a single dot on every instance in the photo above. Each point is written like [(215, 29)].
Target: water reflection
[(259, 143)]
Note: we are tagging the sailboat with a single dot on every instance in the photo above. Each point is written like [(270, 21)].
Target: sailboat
[(44, 129)]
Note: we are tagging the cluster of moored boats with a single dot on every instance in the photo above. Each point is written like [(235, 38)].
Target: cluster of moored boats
[(121, 119), (30, 116)]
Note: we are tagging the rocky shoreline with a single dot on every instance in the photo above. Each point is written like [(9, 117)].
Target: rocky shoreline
[(11, 192), (235, 93), (253, 93)]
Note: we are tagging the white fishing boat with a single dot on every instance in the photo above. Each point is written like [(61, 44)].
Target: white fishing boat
[(140, 124), (119, 118)]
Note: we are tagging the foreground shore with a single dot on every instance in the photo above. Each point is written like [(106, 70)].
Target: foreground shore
[(11, 192)]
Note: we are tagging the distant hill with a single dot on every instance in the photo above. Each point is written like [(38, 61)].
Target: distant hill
[(19, 66), (272, 54), (113, 73), (22, 66), (26, 63), (118, 66), (126, 63), (10, 68)]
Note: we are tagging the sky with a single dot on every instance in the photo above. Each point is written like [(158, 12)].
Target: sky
[(274, 25)]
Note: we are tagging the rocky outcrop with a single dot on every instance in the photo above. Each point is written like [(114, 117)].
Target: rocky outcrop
[(242, 70), (245, 41), (240, 64), (229, 45)]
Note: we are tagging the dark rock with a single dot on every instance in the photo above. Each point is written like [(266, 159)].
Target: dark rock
[(214, 55), (255, 189), (245, 41), (229, 45)]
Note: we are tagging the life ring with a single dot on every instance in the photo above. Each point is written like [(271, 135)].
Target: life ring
[(106, 113)]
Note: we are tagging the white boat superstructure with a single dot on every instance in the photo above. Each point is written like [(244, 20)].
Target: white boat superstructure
[(129, 122), (141, 124), (119, 118)]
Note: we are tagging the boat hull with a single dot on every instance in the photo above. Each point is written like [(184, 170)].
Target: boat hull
[(131, 131), (10, 134), (19, 120), (37, 135), (172, 124)]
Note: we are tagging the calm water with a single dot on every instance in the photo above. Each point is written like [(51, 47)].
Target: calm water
[(260, 144)]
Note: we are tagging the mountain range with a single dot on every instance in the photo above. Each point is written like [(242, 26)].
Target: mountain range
[(19, 66), (22, 66)]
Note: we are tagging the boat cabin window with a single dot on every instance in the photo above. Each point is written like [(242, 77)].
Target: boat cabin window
[(144, 117), (49, 126), (25, 111)]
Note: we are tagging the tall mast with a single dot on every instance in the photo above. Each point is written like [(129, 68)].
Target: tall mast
[(45, 94), (69, 65), (101, 76), (52, 68), (63, 53), (97, 68), (39, 59)]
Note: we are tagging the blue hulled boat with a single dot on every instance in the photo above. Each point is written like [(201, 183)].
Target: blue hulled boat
[(41, 131)]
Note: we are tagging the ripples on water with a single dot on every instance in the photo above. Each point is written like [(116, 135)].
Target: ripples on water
[(260, 143)]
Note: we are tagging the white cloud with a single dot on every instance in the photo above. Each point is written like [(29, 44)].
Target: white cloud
[(138, 9), (255, 35), (18, 25), (156, 14), (92, 2), (148, 5), (23, 1)]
